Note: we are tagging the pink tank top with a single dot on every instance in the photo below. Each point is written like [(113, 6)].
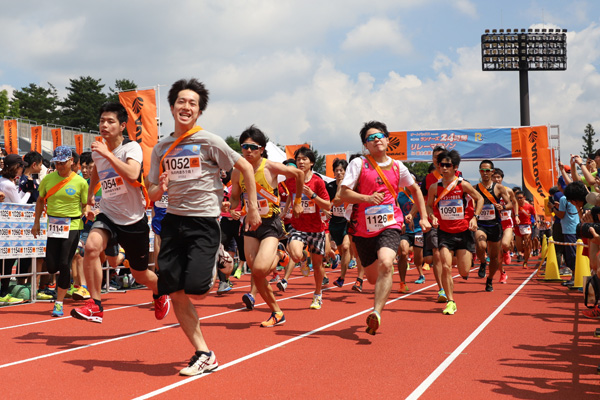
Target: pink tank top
[(370, 220)]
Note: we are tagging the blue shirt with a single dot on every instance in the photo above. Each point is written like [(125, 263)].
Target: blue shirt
[(571, 218), (406, 205)]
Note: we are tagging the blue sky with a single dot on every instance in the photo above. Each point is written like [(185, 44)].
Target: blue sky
[(311, 70)]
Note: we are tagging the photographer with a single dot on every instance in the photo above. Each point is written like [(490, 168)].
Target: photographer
[(589, 228), (568, 212)]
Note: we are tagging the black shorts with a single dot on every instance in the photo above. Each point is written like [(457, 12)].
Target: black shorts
[(430, 241), (134, 239), (270, 227), (59, 254), (338, 231), (230, 233), (411, 238), (188, 254), (457, 241), (367, 248), (493, 232)]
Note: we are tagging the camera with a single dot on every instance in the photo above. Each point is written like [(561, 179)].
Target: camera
[(583, 230)]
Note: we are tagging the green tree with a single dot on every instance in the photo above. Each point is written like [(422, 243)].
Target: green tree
[(234, 143), (13, 108), (588, 140), (320, 162), (418, 169), (38, 103), (4, 102), (121, 85), (80, 107)]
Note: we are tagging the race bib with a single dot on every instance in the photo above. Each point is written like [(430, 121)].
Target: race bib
[(113, 185), (183, 162), (263, 204), (451, 209), (308, 204), (59, 227), (488, 212), (419, 240), (338, 211), (525, 229), (378, 217), (505, 215), (163, 202)]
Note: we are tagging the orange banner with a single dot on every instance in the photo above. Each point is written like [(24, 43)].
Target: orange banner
[(78, 143), (56, 137), (36, 139), (329, 159), (291, 149), (141, 127), (536, 163), (11, 142), (397, 147)]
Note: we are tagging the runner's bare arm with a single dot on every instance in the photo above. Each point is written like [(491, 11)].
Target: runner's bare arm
[(155, 192), (420, 203), (289, 172), (253, 220), (234, 195), (93, 182), (470, 190), (505, 196), (350, 196), (431, 192)]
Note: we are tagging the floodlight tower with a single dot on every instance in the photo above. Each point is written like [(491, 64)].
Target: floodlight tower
[(528, 50)]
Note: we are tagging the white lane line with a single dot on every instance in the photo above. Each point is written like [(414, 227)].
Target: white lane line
[(450, 359)]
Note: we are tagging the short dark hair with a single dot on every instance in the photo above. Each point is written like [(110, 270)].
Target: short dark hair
[(32, 157), (576, 191), (373, 124), (436, 149), (86, 157), (75, 156), (117, 108), (339, 162), (499, 172), (306, 152), (189, 84), (290, 161), (353, 156), (252, 132), (453, 156), (486, 162)]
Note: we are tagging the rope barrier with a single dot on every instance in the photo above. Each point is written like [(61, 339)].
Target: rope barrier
[(568, 244)]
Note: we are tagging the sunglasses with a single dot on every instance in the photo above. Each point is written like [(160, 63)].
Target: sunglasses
[(250, 146), (485, 170), (372, 137), (445, 165)]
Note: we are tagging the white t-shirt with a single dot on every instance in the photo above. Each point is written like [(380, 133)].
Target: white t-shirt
[(123, 203), (12, 194)]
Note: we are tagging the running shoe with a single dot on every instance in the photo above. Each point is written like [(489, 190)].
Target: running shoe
[(503, 277), (450, 308), (275, 278), (519, 258), (442, 296), (273, 320), (592, 312), (284, 257), (325, 281), (336, 262), (481, 272), (70, 292), (339, 282), (52, 286), (524, 265), (58, 310), (50, 292), (200, 363), (248, 300), (88, 312), (404, 288), (8, 300), (304, 268), (317, 302), (162, 306), (488, 285), (420, 280), (238, 273), (43, 296), (352, 264), (358, 285), (282, 285), (507, 259), (223, 287), (81, 293), (426, 267), (373, 322)]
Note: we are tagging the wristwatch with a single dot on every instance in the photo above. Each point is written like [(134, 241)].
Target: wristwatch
[(313, 196)]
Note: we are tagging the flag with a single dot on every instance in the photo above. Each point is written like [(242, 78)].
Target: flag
[(329, 159), (397, 146), (291, 149), (56, 137), (536, 163), (141, 127), (36, 139), (11, 142), (78, 143)]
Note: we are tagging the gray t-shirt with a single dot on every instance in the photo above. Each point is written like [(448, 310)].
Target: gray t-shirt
[(195, 187), (123, 203)]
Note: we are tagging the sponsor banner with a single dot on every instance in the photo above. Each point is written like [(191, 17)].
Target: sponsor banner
[(11, 142), (16, 240), (141, 126), (36, 139), (470, 143), (536, 163), (291, 149), (329, 159), (56, 137), (78, 143)]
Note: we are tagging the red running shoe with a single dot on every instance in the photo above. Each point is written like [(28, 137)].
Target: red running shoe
[(88, 312), (592, 313), (503, 277), (162, 306), (507, 259), (284, 258)]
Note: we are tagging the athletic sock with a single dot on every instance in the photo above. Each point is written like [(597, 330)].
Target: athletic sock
[(99, 304), (199, 353), (155, 296)]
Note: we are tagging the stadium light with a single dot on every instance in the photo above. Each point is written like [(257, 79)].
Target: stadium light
[(528, 50)]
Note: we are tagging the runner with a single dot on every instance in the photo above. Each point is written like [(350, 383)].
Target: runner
[(65, 195), (523, 231), (307, 228), (448, 201), (190, 235), (412, 237), (122, 218), (489, 226), (376, 221), (506, 218), (260, 246)]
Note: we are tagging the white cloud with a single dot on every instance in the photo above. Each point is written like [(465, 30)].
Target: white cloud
[(377, 34), (466, 7)]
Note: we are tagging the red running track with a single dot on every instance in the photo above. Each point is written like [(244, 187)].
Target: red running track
[(525, 340)]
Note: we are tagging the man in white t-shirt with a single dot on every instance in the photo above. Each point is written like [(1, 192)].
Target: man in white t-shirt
[(122, 218)]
